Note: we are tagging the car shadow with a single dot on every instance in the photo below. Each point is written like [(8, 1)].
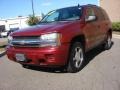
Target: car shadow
[(47, 69), (93, 53), (89, 57), (2, 54)]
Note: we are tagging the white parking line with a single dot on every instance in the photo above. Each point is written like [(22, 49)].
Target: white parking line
[(116, 36)]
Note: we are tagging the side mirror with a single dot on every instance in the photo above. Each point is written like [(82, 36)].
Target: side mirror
[(90, 18)]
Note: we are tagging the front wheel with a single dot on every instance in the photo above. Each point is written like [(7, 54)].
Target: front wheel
[(76, 58)]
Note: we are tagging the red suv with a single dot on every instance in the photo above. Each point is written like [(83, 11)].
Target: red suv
[(61, 38)]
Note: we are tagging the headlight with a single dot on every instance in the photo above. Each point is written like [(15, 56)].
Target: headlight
[(10, 38), (52, 39)]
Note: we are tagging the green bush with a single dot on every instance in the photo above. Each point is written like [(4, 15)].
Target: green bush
[(33, 20), (116, 26)]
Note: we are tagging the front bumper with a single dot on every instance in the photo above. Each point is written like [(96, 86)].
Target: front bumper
[(47, 56)]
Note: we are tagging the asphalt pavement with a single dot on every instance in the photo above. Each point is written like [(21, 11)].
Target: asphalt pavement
[(101, 72)]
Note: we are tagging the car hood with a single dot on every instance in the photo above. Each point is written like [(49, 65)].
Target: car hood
[(42, 28)]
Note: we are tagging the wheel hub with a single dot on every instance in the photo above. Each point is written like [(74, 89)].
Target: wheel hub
[(78, 57), (109, 41)]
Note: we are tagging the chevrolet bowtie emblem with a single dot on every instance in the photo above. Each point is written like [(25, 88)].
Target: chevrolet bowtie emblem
[(22, 42)]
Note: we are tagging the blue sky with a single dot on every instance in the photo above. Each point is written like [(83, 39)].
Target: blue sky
[(14, 8)]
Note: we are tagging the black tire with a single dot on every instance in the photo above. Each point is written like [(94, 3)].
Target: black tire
[(108, 43), (76, 58), (25, 66)]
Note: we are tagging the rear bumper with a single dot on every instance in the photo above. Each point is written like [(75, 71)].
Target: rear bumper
[(47, 56)]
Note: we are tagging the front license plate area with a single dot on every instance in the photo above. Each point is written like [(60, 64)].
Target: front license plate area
[(20, 57)]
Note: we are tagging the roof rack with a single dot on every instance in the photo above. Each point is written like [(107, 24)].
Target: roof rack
[(92, 4)]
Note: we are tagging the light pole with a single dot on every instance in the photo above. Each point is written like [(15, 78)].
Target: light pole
[(32, 7)]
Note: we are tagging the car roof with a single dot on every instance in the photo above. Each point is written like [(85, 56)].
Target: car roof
[(81, 6)]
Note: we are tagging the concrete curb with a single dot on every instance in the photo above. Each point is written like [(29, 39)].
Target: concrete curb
[(116, 36), (2, 53)]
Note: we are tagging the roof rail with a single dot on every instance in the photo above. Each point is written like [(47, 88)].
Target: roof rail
[(92, 4)]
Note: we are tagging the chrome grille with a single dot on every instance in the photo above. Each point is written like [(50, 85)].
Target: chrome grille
[(25, 41)]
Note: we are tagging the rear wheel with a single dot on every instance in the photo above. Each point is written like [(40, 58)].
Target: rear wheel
[(108, 42), (76, 58)]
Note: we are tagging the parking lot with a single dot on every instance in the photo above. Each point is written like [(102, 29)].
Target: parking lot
[(101, 72)]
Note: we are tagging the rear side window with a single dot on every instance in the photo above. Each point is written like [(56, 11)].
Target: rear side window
[(89, 12), (105, 14), (99, 14)]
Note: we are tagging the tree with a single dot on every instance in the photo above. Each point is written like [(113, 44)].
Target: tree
[(32, 20)]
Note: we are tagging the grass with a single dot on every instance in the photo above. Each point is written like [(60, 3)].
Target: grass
[(2, 48), (116, 26)]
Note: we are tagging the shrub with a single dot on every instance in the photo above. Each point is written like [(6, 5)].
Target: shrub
[(32, 20), (116, 26)]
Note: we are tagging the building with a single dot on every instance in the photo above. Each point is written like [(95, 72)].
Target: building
[(112, 7), (13, 23)]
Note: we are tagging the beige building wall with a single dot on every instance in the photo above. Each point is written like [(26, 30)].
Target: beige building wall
[(112, 7), (18, 22)]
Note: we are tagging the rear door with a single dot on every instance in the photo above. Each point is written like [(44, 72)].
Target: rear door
[(101, 23), (91, 29)]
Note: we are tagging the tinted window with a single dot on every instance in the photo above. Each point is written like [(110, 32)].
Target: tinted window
[(105, 14), (89, 12), (52, 16), (99, 14)]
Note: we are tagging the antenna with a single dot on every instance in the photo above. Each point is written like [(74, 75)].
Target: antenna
[(78, 5)]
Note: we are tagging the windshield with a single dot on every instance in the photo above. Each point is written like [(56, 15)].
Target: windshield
[(66, 14)]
